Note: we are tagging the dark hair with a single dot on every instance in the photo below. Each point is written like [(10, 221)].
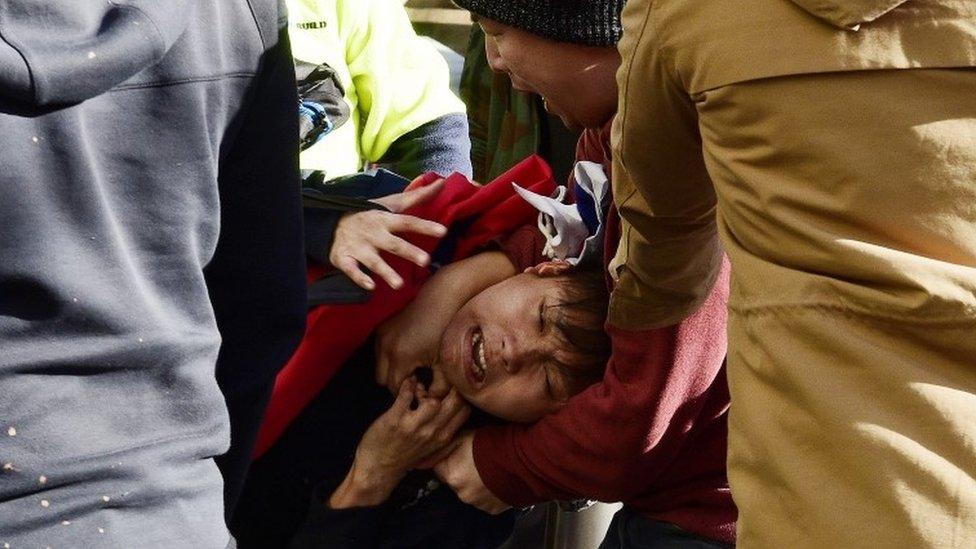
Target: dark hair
[(579, 320)]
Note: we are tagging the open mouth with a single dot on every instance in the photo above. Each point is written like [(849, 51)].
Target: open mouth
[(479, 366)]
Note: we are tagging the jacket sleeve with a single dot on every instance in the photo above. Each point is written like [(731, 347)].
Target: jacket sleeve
[(441, 146), (611, 441), (327, 528), (669, 253), (66, 51), (402, 82), (256, 278)]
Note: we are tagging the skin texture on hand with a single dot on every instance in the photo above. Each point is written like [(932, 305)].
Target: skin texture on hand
[(411, 339), (398, 441), (361, 236), (458, 471)]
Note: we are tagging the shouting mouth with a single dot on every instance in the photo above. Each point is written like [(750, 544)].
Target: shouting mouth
[(478, 370)]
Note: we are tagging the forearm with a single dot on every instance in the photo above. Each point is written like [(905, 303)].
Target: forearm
[(663, 273), (669, 253), (363, 488)]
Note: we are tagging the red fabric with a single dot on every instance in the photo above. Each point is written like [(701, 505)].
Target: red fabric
[(652, 434), (524, 247), (334, 332)]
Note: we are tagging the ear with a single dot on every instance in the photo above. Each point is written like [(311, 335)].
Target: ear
[(550, 268)]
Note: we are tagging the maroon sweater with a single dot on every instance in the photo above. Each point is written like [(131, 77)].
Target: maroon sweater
[(652, 434)]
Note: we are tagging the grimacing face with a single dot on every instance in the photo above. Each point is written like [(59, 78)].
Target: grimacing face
[(578, 83), (500, 350)]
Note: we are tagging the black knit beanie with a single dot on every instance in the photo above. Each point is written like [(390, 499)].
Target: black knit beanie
[(587, 22)]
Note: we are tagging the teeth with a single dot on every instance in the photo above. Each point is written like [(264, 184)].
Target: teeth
[(478, 343)]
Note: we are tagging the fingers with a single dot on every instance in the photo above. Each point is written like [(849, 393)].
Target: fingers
[(455, 423), (405, 395), (392, 380), (348, 265), (434, 419), (401, 223), (404, 201), (381, 268), (418, 196), (439, 387), (394, 377), (400, 247), (451, 406), (550, 268), (419, 391), (420, 418), (360, 237)]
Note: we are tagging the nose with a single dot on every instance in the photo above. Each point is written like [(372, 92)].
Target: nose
[(519, 353), (507, 356)]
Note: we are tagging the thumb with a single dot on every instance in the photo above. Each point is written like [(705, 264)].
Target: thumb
[(405, 395), (401, 202), (439, 387)]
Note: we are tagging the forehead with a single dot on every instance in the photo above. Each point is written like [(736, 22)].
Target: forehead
[(528, 283)]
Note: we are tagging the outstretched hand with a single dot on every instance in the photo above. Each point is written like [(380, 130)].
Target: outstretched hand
[(361, 236)]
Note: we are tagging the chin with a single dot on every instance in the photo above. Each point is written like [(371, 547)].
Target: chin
[(572, 125)]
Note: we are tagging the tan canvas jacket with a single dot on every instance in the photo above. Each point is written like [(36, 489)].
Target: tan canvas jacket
[(830, 148)]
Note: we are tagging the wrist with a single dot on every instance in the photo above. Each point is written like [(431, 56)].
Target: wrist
[(364, 487)]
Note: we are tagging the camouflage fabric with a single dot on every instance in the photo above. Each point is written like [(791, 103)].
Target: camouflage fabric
[(505, 124)]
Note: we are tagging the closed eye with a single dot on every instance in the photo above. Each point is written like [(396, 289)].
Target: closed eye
[(542, 316)]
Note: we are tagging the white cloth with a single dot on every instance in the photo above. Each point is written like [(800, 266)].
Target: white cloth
[(567, 236)]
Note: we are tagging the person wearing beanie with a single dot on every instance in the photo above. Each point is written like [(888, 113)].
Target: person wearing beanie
[(653, 433), (583, 22)]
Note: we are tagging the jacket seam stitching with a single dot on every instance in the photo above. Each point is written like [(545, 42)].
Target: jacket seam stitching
[(757, 310), (257, 24), (185, 81), (202, 433), (20, 52), (159, 35), (625, 114)]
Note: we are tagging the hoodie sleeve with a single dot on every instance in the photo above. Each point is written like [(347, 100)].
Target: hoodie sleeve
[(66, 51)]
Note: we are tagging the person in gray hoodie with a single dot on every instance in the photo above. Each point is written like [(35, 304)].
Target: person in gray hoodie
[(150, 205)]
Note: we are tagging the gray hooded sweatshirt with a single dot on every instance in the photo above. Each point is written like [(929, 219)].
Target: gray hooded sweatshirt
[(115, 120)]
